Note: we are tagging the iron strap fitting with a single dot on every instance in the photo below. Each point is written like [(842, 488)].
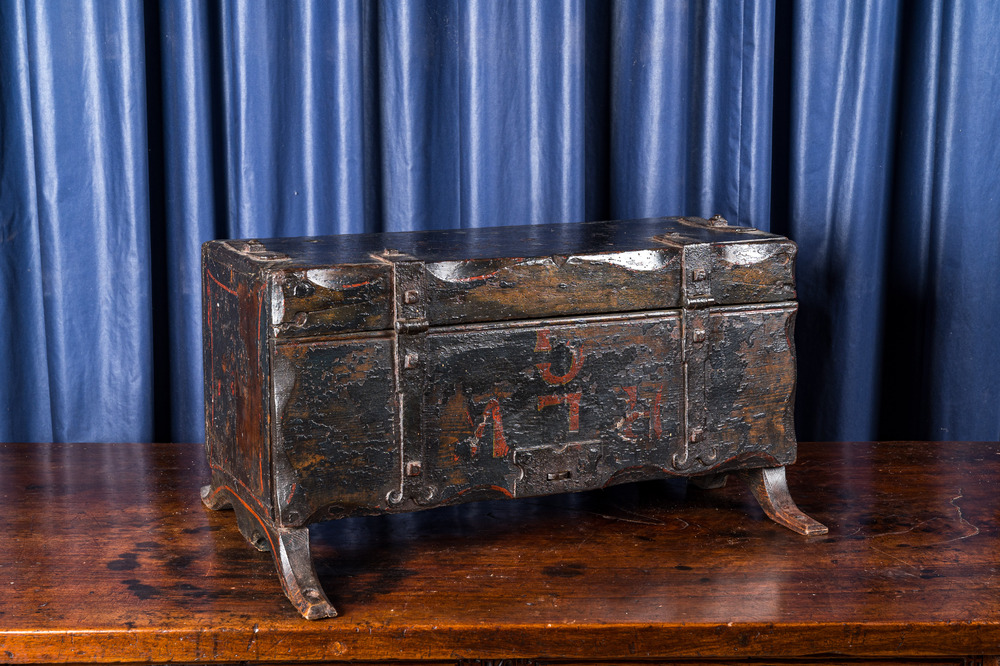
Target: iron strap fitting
[(696, 297), (409, 346)]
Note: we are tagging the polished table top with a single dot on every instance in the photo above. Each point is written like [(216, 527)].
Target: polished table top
[(108, 555)]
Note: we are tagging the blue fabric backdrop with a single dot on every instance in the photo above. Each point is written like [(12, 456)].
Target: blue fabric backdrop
[(130, 133)]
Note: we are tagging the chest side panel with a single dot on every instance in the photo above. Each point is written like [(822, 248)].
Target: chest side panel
[(335, 448), (236, 375), (535, 409), (754, 272), (741, 388)]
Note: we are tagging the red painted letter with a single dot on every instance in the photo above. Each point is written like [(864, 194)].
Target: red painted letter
[(492, 411), (631, 413), (571, 399)]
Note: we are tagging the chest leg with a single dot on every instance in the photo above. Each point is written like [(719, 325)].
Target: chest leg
[(289, 547), (770, 488)]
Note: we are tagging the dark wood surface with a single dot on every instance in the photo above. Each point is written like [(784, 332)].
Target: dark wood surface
[(109, 556), (507, 362)]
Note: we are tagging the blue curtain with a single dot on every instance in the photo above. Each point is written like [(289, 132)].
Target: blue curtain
[(131, 132)]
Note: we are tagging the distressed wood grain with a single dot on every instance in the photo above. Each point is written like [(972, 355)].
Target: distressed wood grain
[(109, 556), (385, 373)]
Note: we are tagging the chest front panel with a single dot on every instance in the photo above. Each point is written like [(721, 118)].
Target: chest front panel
[(548, 407), (529, 408)]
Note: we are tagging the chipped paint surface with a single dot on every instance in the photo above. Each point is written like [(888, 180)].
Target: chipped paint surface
[(236, 370), (559, 384), (336, 426), (391, 382), (526, 288), (493, 391), (642, 260), (748, 253)]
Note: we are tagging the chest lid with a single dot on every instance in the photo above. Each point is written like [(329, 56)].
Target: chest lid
[(369, 282)]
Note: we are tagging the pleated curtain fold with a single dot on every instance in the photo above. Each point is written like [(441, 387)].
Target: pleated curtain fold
[(130, 133)]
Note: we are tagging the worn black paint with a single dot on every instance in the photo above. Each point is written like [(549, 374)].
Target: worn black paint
[(392, 372)]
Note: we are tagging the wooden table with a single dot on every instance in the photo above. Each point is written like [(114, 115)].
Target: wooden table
[(109, 556)]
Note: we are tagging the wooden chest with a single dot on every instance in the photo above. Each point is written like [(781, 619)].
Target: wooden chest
[(370, 374)]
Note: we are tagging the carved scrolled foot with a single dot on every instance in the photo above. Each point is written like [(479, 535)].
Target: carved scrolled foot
[(710, 481), (288, 547), (215, 499), (250, 526), (769, 486)]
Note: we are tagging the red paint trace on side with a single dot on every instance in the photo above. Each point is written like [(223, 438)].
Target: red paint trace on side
[(260, 457), (250, 491), (211, 354), (222, 286), (248, 508), (484, 276), (504, 491)]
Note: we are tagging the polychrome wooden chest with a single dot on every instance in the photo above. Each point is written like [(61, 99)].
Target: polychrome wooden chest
[(381, 373)]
